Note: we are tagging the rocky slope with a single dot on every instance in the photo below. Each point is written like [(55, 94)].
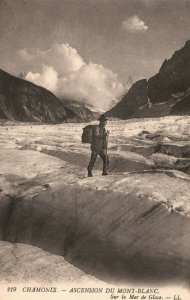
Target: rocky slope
[(166, 93), (135, 98), (81, 110), (21, 100)]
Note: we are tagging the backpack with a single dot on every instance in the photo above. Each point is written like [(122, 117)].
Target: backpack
[(87, 134)]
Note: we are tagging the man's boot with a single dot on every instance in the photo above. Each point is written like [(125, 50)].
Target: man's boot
[(105, 172), (89, 172)]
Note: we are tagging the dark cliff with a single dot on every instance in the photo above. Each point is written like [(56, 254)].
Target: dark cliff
[(136, 97), (168, 92), (173, 77)]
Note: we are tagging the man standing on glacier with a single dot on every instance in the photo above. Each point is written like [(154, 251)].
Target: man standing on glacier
[(99, 146)]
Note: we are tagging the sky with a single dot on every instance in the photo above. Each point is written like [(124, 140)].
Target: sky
[(87, 49)]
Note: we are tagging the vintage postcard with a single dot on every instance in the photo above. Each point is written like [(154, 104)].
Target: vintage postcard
[(94, 149)]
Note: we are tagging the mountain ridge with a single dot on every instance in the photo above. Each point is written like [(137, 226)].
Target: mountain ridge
[(163, 94), (21, 100)]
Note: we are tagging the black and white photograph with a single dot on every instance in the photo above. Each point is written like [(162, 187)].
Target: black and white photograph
[(94, 149)]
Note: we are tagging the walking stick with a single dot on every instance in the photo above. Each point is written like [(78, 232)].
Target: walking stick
[(106, 150)]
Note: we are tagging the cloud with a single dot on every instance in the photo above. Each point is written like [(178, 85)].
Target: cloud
[(134, 24), (63, 71), (62, 57), (93, 84), (48, 78), (23, 53)]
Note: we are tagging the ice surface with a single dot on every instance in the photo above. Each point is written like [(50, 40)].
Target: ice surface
[(140, 212)]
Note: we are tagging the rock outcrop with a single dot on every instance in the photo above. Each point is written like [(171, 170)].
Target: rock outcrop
[(166, 93)]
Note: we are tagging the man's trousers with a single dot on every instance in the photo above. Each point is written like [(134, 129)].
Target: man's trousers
[(93, 158)]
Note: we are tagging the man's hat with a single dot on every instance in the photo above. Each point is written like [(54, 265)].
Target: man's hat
[(103, 118)]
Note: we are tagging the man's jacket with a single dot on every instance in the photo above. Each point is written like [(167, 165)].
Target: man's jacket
[(99, 139)]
